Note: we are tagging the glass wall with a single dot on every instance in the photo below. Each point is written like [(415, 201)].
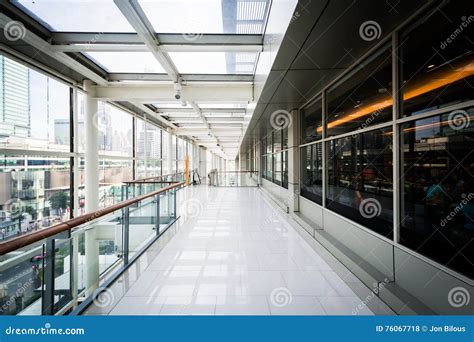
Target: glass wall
[(437, 162), (435, 140), (275, 157), (36, 119), (360, 183), (312, 172)]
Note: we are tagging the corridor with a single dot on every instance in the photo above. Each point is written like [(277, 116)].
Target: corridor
[(234, 253)]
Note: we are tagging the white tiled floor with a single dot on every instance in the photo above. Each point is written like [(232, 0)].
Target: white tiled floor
[(233, 254)]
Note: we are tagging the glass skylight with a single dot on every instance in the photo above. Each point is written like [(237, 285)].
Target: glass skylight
[(127, 62), (77, 15), (206, 16), (210, 62)]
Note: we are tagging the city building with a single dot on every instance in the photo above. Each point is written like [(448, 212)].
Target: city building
[(235, 157), (14, 95)]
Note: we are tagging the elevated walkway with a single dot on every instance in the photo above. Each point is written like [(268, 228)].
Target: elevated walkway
[(233, 252)]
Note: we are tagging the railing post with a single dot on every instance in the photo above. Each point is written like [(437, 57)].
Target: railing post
[(49, 253), (157, 221), (126, 234), (47, 301), (174, 191)]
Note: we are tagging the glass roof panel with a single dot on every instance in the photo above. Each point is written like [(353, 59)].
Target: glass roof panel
[(207, 16), (77, 15), (213, 62), (172, 105), (222, 105), (133, 62)]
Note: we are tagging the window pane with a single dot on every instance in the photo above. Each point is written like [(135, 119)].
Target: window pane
[(35, 193), (312, 122), (277, 168), (115, 130), (312, 172), (112, 172), (363, 99), (360, 179), (77, 16), (34, 109), (438, 190), (285, 169), (222, 16), (276, 140), (138, 62), (438, 69)]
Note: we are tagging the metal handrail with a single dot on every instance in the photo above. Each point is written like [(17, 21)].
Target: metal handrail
[(142, 180), (28, 239)]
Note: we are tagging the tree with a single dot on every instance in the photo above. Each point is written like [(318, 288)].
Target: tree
[(59, 200)]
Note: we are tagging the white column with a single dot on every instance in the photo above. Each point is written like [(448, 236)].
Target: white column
[(169, 162), (203, 165), (91, 185), (293, 163)]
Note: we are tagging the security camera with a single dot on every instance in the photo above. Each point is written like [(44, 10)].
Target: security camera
[(177, 91)]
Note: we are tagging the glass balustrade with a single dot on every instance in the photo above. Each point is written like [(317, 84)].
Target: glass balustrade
[(55, 274)]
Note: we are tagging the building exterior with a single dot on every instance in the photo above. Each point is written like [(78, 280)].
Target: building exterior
[(14, 99)]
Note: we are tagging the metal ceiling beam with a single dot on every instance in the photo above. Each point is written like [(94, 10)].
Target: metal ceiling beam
[(38, 43), (92, 38), (165, 48), (153, 114), (186, 77), (204, 110), (138, 20), (165, 92)]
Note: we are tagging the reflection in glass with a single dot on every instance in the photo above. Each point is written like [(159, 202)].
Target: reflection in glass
[(311, 122), (360, 184), (437, 218), (312, 172), (363, 98)]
